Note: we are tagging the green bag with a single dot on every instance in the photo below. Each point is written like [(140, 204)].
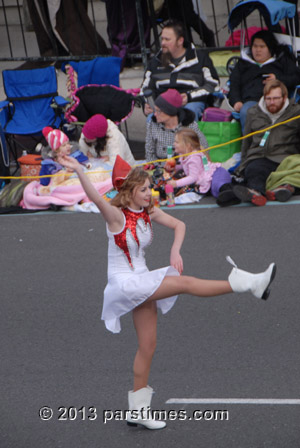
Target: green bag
[(217, 132)]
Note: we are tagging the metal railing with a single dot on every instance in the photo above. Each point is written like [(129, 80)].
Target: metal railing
[(26, 28)]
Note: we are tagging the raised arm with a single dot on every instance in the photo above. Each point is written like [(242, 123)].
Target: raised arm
[(179, 232), (112, 215)]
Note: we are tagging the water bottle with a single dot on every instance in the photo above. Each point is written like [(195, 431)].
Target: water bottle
[(169, 152)]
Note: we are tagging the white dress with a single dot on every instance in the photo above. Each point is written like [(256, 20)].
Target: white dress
[(130, 282)]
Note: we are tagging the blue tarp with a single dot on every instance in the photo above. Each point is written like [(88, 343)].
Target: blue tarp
[(272, 11)]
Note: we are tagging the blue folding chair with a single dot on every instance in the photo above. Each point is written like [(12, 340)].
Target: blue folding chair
[(101, 70), (30, 95)]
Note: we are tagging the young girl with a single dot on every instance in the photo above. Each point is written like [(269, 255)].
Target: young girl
[(132, 287), (199, 171), (60, 145)]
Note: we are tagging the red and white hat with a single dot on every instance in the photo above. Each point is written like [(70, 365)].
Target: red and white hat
[(120, 172), (54, 137)]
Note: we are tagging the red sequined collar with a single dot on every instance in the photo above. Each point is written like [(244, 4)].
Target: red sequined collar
[(131, 218)]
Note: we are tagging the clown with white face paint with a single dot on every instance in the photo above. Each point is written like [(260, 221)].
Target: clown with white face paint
[(132, 287)]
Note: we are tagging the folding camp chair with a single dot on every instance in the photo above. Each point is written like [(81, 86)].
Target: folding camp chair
[(101, 70), (27, 108)]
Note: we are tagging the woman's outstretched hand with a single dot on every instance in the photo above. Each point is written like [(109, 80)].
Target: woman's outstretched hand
[(70, 163)]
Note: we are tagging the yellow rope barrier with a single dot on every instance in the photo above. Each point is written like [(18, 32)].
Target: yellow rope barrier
[(163, 160)]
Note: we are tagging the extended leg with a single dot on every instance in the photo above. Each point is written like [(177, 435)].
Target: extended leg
[(238, 281), (184, 284)]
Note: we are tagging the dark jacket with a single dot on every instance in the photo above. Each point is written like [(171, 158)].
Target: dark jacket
[(246, 81), (195, 75), (283, 140)]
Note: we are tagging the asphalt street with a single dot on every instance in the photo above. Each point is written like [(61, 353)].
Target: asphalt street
[(213, 353)]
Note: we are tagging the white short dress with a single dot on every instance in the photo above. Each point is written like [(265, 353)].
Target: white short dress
[(130, 282)]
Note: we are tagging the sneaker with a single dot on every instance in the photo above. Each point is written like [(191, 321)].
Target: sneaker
[(248, 195), (282, 193)]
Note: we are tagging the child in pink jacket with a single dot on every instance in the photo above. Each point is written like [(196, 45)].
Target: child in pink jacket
[(198, 169)]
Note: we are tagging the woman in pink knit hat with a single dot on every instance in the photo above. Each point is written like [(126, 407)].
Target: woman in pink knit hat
[(100, 137)]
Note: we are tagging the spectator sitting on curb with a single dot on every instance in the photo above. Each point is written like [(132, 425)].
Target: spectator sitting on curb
[(100, 137), (263, 152), (200, 173)]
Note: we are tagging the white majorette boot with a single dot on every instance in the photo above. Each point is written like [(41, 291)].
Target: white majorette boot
[(258, 284), (139, 409)]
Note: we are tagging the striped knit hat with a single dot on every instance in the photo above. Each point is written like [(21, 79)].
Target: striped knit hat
[(54, 137)]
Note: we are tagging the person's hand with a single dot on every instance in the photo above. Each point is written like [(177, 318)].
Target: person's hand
[(176, 261), (184, 98), (237, 107), (147, 109), (172, 182), (70, 163), (270, 77)]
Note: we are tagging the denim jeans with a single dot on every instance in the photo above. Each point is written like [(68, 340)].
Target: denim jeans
[(197, 107)]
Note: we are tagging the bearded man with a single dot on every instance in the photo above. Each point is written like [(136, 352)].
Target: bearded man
[(178, 65)]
